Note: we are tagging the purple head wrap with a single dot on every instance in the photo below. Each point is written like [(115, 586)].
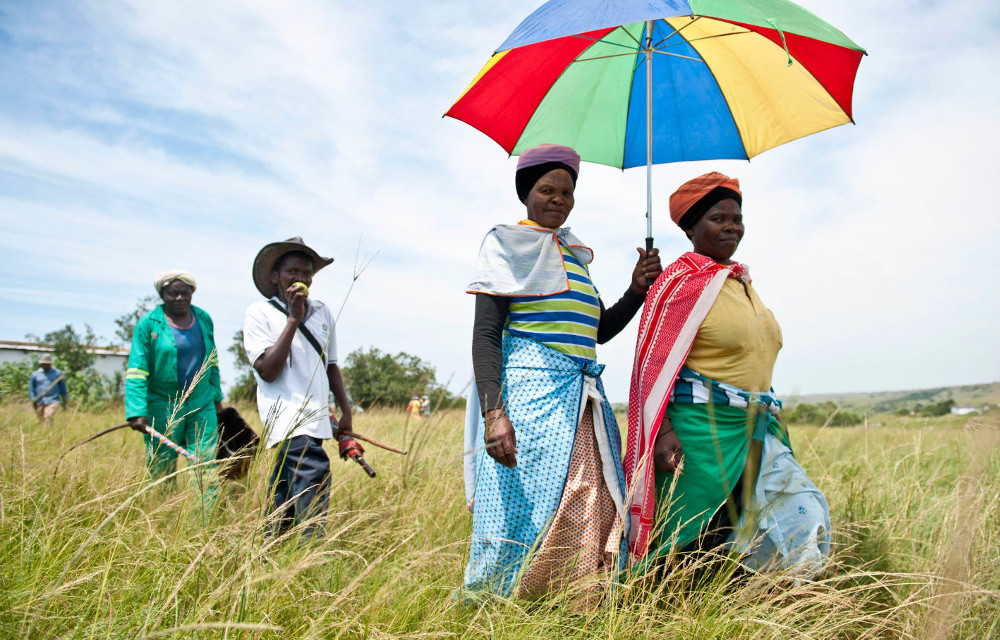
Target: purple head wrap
[(537, 161)]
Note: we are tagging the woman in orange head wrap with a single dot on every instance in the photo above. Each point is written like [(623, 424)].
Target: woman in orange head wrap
[(702, 411)]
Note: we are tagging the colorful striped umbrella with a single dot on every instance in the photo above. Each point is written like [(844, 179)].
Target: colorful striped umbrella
[(633, 82)]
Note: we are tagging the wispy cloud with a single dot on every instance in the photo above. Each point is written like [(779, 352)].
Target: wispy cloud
[(143, 136)]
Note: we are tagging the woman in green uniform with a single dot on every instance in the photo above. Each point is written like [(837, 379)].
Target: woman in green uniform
[(172, 383)]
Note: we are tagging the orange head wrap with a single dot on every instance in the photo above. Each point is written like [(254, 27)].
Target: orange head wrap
[(691, 192)]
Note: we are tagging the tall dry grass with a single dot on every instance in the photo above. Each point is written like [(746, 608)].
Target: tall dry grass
[(92, 550)]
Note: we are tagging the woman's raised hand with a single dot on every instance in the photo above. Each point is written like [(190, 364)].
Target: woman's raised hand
[(500, 442), (647, 268)]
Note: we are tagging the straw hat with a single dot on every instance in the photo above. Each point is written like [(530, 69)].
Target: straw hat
[(263, 264), (45, 359)]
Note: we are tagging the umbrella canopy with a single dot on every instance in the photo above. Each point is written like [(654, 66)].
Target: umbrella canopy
[(639, 82)]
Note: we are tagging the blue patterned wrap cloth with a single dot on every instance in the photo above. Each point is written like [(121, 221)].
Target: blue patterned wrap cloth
[(543, 392)]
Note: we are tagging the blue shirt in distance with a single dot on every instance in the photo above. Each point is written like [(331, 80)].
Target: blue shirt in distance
[(40, 381)]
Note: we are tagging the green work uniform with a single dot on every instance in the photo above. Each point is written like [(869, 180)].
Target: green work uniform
[(152, 390)]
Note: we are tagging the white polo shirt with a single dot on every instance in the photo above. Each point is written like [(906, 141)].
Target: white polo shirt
[(296, 402)]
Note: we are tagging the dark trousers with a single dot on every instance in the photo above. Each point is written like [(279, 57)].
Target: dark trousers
[(300, 485)]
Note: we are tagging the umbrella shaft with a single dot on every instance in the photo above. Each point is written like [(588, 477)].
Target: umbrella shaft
[(649, 139)]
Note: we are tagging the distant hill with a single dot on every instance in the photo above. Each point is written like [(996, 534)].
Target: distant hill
[(887, 401)]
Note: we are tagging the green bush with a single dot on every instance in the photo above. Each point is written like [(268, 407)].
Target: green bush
[(846, 419), (373, 377), (941, 408), (818, 414), (14, 379)]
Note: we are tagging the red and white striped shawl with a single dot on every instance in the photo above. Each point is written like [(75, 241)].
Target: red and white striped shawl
[(675, 307)]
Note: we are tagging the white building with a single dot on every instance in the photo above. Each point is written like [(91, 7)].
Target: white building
[(109, 360), (964, 410)]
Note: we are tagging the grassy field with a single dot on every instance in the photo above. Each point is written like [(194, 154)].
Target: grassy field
[(91, 550)]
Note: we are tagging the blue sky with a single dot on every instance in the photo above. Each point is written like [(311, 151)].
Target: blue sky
[(139, 136)]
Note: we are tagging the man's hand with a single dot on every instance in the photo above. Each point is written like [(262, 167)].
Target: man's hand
[(139, 424), (296, 297), (345, 421), (218, 410), (667, 451), (647, 268), (500, 441)]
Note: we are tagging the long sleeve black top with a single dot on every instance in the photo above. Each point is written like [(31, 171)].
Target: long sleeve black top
[(487, 337)]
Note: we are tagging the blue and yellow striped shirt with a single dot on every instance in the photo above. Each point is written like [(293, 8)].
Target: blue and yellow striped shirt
[(567, 321)]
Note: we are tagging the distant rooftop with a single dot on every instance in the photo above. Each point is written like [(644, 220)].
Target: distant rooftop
[(48, 348)]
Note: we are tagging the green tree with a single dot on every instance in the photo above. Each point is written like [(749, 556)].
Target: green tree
[(936, 409), (846, 419), (807, 413), (374, 377), (126, 323), (71, 349), (819, 414), (245, 387)]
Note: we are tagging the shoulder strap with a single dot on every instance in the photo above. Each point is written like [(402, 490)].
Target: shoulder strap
[(302, 327)]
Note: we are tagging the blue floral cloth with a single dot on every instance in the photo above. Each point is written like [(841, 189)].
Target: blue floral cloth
[(543, 393), (786, 524)]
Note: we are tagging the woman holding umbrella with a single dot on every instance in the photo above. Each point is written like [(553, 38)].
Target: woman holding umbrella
[(172, 383), (705, 449), (547, 491)]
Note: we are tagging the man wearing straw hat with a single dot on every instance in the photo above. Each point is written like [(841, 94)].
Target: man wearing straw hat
[(289, 338), (47, 390)]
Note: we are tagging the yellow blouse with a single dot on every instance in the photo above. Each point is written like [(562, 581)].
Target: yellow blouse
[(739, 340)]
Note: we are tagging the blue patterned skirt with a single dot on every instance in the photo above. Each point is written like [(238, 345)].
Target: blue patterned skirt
[(543, 393)]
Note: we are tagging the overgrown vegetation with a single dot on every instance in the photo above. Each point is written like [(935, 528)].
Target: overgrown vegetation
[(90, 550), (823, 414), (376, 378)]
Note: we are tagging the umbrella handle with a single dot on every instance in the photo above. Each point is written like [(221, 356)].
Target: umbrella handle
[(649, 247)]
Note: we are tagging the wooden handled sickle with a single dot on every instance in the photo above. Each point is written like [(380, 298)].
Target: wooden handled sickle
[(151, 431)]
